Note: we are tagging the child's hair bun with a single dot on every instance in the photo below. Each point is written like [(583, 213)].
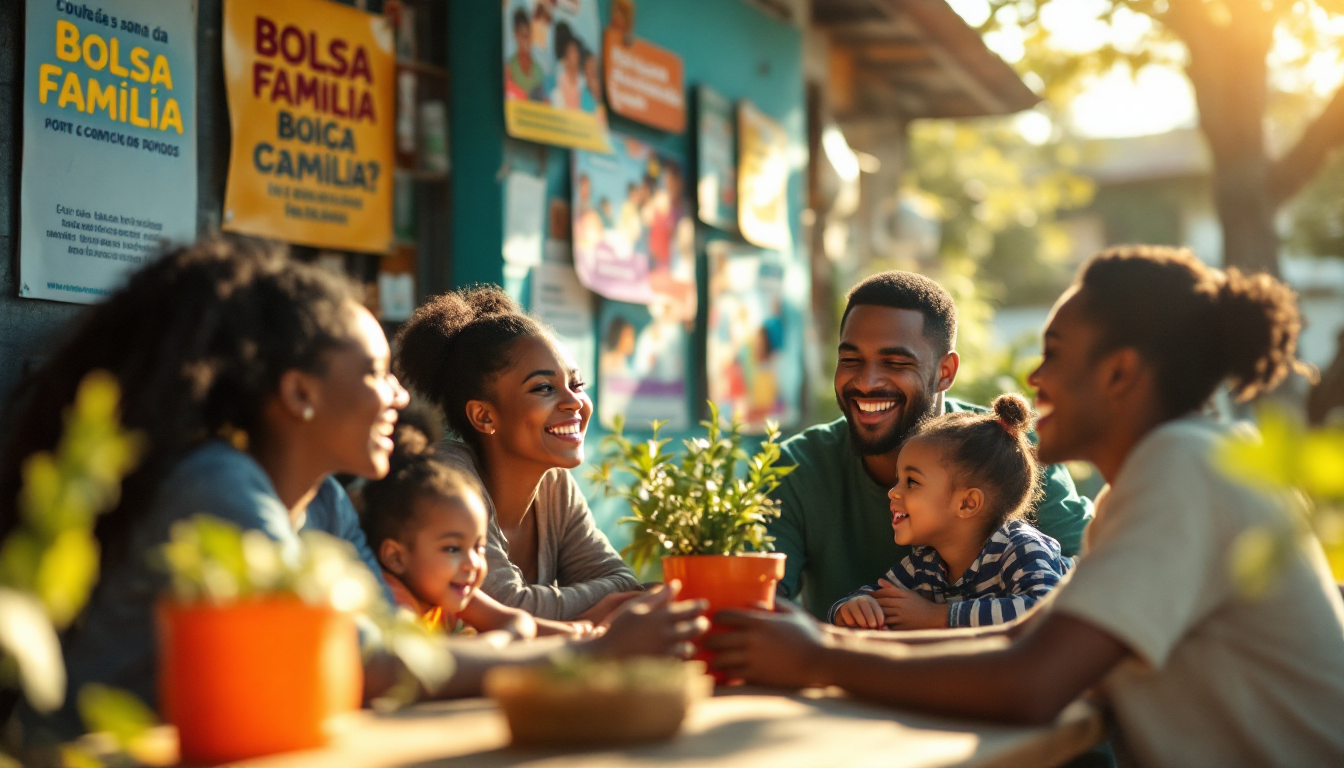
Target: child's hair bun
[(409, 443), (1013, 413)]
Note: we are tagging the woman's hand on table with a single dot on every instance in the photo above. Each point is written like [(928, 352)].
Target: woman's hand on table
[(607, 607), (575, 630), (779, 648), (904, 609), (653, 624)]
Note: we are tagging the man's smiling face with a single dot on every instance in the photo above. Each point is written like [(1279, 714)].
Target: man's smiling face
[(887, 377)]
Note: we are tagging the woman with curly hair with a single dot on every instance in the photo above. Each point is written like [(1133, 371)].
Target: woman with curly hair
[(517, 404), (252, 379)]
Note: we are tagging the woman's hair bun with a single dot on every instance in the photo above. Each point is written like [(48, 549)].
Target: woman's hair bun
[(1013, 412), (427, 338)]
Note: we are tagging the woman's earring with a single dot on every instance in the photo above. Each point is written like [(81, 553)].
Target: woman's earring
[(307, 413)]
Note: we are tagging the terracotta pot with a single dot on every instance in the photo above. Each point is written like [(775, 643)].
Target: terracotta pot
[(255, 677), (726, 581)]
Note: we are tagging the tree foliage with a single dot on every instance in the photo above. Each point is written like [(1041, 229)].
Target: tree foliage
[(1237, 55)]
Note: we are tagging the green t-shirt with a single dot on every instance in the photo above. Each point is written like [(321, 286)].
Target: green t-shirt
[(835, 522)]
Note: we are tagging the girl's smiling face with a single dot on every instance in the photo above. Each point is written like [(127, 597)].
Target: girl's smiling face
[(925, 500), (444, 560)]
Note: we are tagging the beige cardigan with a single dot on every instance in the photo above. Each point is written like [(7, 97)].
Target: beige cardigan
[(576, 564)]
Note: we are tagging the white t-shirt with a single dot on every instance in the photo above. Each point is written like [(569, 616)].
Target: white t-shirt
[(1216, 678)]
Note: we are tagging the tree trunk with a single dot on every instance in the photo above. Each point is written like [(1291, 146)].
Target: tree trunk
[(1246, 213), (1230, 76)]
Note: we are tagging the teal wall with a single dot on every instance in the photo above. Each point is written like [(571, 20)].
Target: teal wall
[(733, 47)]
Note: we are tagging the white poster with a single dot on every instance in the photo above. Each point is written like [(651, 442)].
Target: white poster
[(561, 301), (109, 142)]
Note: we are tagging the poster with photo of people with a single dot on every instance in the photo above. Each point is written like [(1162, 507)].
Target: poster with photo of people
[(755, 346), (553, 73), (641, 367), (634, 240)]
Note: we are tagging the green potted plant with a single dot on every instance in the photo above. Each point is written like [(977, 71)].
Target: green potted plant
[(703, 514), (258, 647)]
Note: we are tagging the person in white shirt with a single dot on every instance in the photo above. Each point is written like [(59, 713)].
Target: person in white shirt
[(1194, 670)]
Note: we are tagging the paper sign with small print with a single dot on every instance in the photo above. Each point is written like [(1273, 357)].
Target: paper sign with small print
[(109, 143), (311, 87)]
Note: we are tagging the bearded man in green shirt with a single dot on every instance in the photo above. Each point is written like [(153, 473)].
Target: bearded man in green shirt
[(896, 361)]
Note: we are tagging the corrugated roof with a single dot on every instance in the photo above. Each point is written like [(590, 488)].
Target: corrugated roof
[(913, 59)]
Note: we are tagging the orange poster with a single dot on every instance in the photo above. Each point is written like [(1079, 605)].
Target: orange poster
[(644, 82), (312, 107)]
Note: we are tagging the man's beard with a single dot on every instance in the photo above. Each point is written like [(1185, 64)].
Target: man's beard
[(914, 412)]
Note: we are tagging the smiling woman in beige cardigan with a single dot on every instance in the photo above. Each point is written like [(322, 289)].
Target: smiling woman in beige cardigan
[(517, 403)]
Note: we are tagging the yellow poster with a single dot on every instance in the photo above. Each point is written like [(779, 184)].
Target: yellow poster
[(312, 107), (762, 179), (552, 73)]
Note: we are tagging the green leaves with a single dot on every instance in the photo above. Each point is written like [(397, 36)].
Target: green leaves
[(117, 713), (49, 564), (212, 560), (1286, 456), (714, 500)]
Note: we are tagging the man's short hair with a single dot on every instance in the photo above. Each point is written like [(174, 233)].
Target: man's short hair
[(908, 290)]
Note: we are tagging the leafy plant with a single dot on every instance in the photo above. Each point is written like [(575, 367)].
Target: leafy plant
[(211, 560), (700, 504), (49, 564), (1287, 456)]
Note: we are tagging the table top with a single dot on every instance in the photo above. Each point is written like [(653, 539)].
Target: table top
[(738, 727)]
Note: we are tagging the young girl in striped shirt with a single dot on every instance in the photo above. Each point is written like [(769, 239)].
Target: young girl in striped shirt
[(964, 482)]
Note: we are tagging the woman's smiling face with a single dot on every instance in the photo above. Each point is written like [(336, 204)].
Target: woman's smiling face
[(923, 501), (539, 408)]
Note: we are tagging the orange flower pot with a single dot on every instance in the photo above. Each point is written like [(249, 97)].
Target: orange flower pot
[(255, 677), (726, 581)]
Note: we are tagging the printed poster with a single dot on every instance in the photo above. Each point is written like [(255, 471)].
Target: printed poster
[(644, 82), (552, 73), (312, 105), (762, 179), (642, 361), (716, 188), (109, 142), (634, 240), (754, 355), (560, 301)]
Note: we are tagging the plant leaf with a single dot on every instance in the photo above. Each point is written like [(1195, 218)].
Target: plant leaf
[(27, 635)]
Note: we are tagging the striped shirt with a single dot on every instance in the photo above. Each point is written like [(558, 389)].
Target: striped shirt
[(1017, 567)]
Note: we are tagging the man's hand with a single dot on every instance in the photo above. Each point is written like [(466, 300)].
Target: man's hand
[(904, 609), (779, 649), (862, 612), (653, 625), (607, 606)]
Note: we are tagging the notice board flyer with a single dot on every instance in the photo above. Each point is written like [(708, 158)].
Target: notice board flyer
[(312, 106), (109, 142)]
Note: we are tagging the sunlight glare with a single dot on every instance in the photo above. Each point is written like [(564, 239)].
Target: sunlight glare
[(1114, 105)]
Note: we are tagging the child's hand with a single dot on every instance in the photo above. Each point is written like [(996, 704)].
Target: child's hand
[(862, 612), (904, 609)]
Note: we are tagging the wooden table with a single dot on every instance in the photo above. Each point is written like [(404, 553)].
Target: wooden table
[(739, 727)]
